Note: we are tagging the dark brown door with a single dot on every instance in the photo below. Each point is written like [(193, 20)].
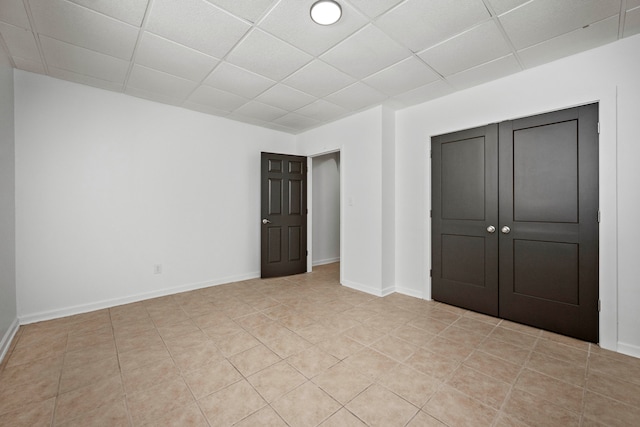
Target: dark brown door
[(465, 204), (546, 228), (284, 215), (549, 202)]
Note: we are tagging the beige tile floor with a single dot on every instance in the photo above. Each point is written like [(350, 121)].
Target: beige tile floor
[(305, 351)]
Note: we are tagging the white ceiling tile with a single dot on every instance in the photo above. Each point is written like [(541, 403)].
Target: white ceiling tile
[(476, 46), (567, 44), (541, 20), (284, 97), (153, 96), (319, 79), (401, 77), (356, 97), (373, 8), (84, 79), (632, 22), (424, 93), (264, 54), (249, 10), (129, 11), (14, 13), (502, 6), (164, 55), (216, 98), (632, 4), (82, 27), (366, 52), (420, 24), (296, 121), (486, 72), (291, 21), (20, 42), (153, 81), (83, 61), (204, 109), (238, 80), (322, 110), (260, 111), (32, 66), (196, 24)]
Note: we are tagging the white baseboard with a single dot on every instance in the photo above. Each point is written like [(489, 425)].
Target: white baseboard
[(5, 342), (325, 261), (629, 349), (410, 292), (85, 308), (388, 291), (363, 288)]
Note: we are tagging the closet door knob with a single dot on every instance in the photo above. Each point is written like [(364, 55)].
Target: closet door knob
[(505, 230), (491, 229)]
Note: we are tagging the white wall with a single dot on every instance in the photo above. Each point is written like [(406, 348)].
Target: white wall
[(609, 75), (326, 208), (8, 312), (109, 185), (388, 170), (358, 138)]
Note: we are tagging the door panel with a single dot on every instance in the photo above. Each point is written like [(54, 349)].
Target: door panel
[(284, 215), (465, 191), (538, 177), (549, 200)]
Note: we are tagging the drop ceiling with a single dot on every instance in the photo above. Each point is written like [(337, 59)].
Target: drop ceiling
[(266, 63)]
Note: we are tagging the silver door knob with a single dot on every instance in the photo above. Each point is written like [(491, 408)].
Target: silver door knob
[(266, 221), (505, 230), (491, 229)]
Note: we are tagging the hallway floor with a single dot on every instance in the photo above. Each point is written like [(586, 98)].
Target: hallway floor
[(305, 351)]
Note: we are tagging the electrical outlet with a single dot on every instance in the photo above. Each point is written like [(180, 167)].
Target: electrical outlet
[(157, 269)]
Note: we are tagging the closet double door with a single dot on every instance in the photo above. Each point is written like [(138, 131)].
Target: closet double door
[(515, 220)]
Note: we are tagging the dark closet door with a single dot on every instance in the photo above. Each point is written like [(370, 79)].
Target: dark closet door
[(464, 219), (284, 215), (549, 221), (535, 259)]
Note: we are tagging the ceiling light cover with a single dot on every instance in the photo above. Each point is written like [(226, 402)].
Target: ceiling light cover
[(326, 12)]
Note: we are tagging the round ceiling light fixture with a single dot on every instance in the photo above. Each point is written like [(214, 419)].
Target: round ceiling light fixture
[(326, 12)]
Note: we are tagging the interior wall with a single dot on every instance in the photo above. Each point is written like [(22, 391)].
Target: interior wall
[(8, 310), (358, 138), (607, 75), (326, 208), (109, 186)]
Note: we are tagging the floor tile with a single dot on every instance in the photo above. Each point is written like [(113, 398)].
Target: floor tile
[(340, 347), (235, 343), (266, 417), (276, 380), (211, 378), (394, 347), (312, 361), (455, 350), (253, 360), (413, 386), (306, 405), (343, 418), (614, 388), (288, 344), (15, 396), (413, 335), (342, 383), (432, 364), (609, 412), (80, 402), (493, 366), (370, 363), (457, 409), (422, 419), (150, 375), (536, 411), (565, 371), (558, 392), (31, 414), (231, 404), (377, 406), (110, 414), (79, 375), (483, 388), (195, 357)]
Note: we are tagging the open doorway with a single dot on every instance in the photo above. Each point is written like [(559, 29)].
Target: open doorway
[(325, 202)]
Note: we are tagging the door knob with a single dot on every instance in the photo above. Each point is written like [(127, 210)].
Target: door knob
[(505, 230), (266, 221), (491, 229)]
